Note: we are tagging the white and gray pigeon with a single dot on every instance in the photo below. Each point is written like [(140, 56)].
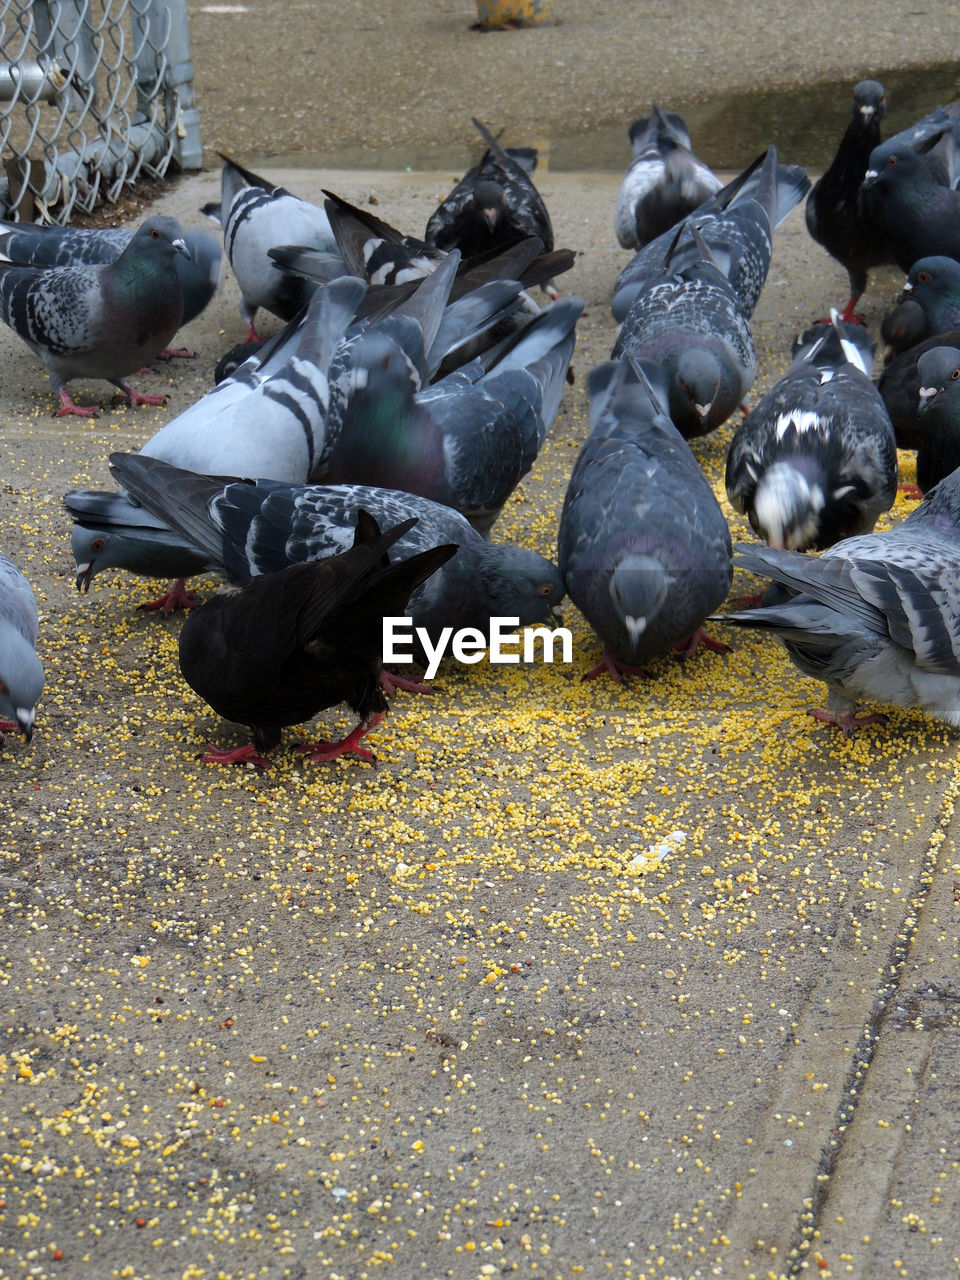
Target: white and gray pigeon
[(29, 244), (816, 459), (247, 528), (643, 546), (876, 617), (664, 182), (100, 321), (257, 216), (687, 330), (466, 440), (736, 224), (21, 671)]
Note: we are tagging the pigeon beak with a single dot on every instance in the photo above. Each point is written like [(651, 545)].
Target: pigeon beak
[(84, 576), (905, 291), (25, 716), (635, 627), (703, 410), (491, 217), (867, 112), (870, 177), (557, 615), (181, 247), (927, 397)]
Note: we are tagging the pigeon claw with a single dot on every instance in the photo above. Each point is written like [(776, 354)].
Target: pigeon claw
[(136, 398), (176, 596), (613, 667), (390, 683), (322, 751), (848, 721), (689, 647), (911, 491), (67, 407), (235, 755)]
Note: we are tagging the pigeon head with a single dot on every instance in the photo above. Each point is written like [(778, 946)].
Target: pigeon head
[(21, 680), (639, 585), (933, 278), (154, 553), (939, 370), (489, 201), (787, 506), (163, 235), (694, 386), (895, 164), (869, 101), (521, 584)]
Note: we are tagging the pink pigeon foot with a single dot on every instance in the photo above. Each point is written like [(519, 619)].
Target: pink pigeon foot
[(235, 755), (136, 398), (176, 596), (613, 667), (690, 647), (911, 491), (848, 315), (252, 335), (390, 683), (67, 407), (326, 750), (848, 720)]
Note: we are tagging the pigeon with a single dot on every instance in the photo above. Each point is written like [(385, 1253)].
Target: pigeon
[(835, 211), (737, 224), (875, 617), (494, 205), (256, 216), (100, 321), (643, 546), (21, 671), (37, 246), (939, 450), (913, 202), (286, 645), (688, 332), (665, 180), (111, 532), (467, 440), (929, 304), (899, 387), (816, 460), (247, 529)]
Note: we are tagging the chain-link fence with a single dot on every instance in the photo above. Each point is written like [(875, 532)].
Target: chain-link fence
[(93, 94)]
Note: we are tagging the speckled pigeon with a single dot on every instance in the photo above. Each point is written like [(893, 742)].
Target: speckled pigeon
[(253, 528), (687, 330), (493, 205), (876, 617), (286, 645), (815, 460), (28, 244), (21, 671), (643, 546), (256, 216), (836, 215), (467, 440), (737, 225), (101, 321), (664, 182)]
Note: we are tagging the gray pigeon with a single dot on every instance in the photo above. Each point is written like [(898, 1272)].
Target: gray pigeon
[(28, 244), (21, 671), (467, 440), (251, 528), (100, 321), (736, 224), (875, 617), (816, 460), (911, 197), (665, 180), (688, 332), (939, 451), (256, 217), (643, 546)]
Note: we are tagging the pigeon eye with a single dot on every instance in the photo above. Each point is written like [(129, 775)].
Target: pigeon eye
[(97, 544), (545, 589), (893, 161), (955, 376), (3, 688), (923, 276), (155, 233)]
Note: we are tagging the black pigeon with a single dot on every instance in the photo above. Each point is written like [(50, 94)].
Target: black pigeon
[(915, 205), (875, 617), (737, 225), (286, 645), (246, 529), (687, 330), (939, 395), (494, 205), (815, 461), (665, 180), (929, 304), (643, 545), (836, 215), (106, 321)]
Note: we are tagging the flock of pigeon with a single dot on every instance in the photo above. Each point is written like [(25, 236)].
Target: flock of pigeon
[(377, 436)]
